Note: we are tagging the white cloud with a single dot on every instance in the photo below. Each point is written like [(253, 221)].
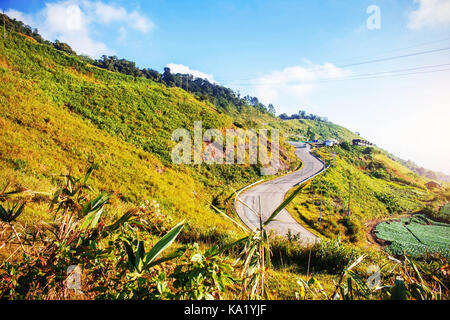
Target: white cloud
[(106, 13), (430, 13), (139, 22), (288, 88), (64, 18), (71, 21), (179, 68)]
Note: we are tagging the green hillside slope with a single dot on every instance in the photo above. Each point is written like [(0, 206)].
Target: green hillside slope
[(305, 129), (59, 113), (380, 188)]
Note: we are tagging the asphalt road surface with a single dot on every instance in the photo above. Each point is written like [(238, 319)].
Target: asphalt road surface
[(272, 194)]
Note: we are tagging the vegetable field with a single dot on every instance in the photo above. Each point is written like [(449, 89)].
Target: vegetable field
[(416, 236)]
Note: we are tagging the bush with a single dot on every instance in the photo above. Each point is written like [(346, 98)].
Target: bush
[(326, 256), (345, 145), (353, 227)]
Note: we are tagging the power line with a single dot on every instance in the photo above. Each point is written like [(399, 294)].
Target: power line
[(396, 50), (393, 71), (380, 60), (363, 76), (395, 75), (394, 58)]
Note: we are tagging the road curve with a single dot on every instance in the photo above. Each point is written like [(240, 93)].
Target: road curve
[(272, 194)]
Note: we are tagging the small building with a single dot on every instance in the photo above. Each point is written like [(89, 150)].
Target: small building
[(361, 142), (330, 142), (432, 185)]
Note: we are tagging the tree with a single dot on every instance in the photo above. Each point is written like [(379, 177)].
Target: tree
[(311, 134), (302, 114), (167, 77), (151, 74), (271, 109), (345, 145), (63, 47)]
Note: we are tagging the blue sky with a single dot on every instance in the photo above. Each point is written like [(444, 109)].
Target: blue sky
[(294, 54)]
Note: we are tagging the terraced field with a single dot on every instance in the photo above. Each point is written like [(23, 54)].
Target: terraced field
[(416, 236)]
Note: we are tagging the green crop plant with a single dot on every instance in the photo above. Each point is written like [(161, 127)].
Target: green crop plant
[(416, 236)]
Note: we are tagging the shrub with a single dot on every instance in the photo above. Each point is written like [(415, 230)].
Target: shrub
[(326, 255), (353, 227)]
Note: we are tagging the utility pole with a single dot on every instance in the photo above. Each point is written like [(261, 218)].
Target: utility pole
[(4, 28), (349, 195), (321, 201), (334, 157)]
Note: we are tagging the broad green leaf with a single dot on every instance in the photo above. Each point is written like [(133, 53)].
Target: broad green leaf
[(171, 256), (121, 220), (164, 243), (130, 254), (89, 172), (18, 212), (139, 255), (399, 290), (92, 219), (95, 204)]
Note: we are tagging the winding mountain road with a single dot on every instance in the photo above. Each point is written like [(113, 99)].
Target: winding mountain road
[(272, 194)]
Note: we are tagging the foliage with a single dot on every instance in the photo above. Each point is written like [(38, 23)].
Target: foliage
[(301, 115), (111, 255), (67, 113), (407, 280), (445, 211), (201, 275), (324, 256), (59, 110), (300, 129)]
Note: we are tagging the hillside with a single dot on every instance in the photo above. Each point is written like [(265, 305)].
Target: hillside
[(306, 129), (67, 107), (381, 186), (61, 113)]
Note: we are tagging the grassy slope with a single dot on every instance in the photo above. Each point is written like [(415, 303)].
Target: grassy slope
[(381, 187), (58, 113), (296, 129)]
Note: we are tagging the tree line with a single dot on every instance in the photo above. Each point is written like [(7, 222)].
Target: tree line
[(302, 115), (220, 96)]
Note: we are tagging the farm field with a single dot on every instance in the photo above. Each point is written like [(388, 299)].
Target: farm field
[(416, 236)]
